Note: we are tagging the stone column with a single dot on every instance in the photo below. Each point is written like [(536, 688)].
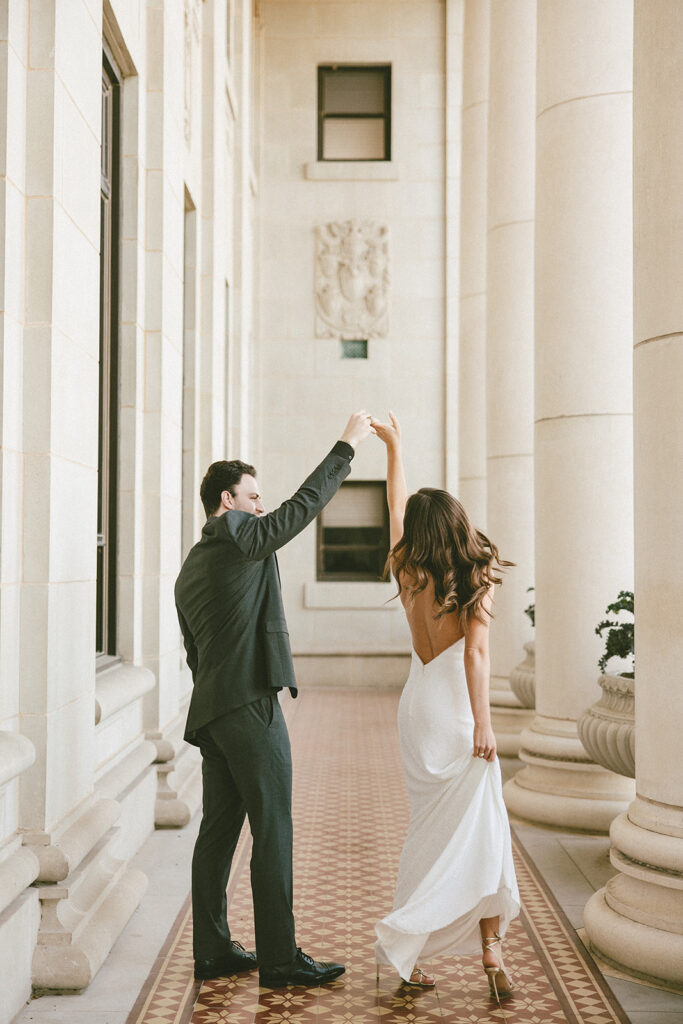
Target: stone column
[(87, 891), (244, 185), (583, 439), (454, 27), (510, 344), (472, 371), (19, 904), (172, 101), (637, 920)]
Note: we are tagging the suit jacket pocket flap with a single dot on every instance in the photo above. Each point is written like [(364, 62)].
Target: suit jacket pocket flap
[(277, 626)]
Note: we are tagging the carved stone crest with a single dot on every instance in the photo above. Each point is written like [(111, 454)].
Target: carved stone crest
[(352, 280)]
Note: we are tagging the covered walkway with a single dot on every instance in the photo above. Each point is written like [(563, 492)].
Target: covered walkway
[(350, 816)]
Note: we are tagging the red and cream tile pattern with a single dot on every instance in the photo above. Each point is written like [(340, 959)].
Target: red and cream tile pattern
[(350, 816)]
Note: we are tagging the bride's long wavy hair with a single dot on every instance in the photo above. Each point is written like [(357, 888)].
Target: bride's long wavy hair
[(440, 542)]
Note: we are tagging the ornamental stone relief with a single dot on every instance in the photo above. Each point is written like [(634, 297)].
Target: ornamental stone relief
[(352, 280)]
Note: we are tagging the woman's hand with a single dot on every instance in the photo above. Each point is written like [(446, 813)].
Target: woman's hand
[(484, 742), (390, 433)]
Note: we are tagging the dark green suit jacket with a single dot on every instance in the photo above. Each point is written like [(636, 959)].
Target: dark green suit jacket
[(229, 602)]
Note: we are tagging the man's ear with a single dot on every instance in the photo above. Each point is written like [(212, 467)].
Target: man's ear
[(227, 500)]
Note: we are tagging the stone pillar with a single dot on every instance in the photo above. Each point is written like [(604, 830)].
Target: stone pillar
[(19, 904), (455, 17), (636, 921), (510, 344), (245, 184), (87, 892), (583, 396), (172, 127), (472, 371)]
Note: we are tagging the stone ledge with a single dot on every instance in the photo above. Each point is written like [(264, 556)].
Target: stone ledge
[(119, 686), (352, 170), (18, 870), (177, 802), (179, 787), (17, 753), (637, 851), (64, 851), (170, 741), (72, 965)]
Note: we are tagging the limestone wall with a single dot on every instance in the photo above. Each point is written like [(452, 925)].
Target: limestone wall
[(91, 750), (308, 389)]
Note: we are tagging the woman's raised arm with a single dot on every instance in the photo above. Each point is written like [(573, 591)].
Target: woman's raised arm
[(397, 492)]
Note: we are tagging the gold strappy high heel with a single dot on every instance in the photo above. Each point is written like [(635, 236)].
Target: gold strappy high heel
[(500, 985), (422, 980)]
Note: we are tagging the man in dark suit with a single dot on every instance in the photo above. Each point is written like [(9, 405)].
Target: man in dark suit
[(232, 619)]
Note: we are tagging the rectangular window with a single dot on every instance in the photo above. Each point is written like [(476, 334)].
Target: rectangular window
[(354, 113), (353, 533), (107, 467), (354, 349)]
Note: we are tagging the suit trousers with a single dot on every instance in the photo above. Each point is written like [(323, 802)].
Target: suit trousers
[(246, 770)]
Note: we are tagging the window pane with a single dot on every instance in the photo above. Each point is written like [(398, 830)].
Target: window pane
[(355, 506), (359, 535), (354, 92), (346, 563), (353, 139)]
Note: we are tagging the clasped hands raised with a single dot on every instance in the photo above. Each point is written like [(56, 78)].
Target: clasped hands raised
[(361, 424)]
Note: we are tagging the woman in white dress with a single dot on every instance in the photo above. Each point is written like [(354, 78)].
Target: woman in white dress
[(456, 890)]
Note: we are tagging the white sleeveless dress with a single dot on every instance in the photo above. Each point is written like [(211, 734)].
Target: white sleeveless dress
[(456, 865)]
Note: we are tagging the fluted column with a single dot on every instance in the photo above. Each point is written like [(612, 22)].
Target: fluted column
[(472, 371), (583, 395), (637, 920), (510, 344)]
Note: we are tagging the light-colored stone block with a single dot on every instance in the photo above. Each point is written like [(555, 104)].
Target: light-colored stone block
[(80, 160), (82, 78), (18, 932)]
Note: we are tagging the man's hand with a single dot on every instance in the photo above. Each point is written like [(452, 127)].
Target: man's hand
[(390, 433), (358, 428)]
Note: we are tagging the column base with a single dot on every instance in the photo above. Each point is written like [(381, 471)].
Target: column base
[(636, 921), (508, 725), (81, 920), (560, 787), (179, 777), (640, 950)]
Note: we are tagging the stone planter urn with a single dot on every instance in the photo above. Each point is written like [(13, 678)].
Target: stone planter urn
[(607, 728), (523, 677)]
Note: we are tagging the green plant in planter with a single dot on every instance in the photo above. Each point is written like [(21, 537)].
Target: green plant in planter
[(619, 640), (530, 611)]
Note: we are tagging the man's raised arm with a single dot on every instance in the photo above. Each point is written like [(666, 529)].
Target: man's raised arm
[(259, 536)]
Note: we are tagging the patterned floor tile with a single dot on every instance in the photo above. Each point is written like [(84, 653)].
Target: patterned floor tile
[(350, 816)]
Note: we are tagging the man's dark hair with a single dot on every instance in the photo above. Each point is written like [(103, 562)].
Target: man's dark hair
[(219, 477)]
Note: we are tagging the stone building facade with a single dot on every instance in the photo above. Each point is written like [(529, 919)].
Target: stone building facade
[(225, 225)]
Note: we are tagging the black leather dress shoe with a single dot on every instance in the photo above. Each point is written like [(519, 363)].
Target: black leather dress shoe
[(237, 959), (304, 970)]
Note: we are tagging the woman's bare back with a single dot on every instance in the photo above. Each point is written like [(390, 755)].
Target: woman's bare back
[(431, 636)]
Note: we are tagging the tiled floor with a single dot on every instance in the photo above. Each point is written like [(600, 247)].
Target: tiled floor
[(353, 823)]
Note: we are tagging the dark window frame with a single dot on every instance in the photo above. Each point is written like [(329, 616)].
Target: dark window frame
[(382, 548), (323, 70), (107, 462)]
